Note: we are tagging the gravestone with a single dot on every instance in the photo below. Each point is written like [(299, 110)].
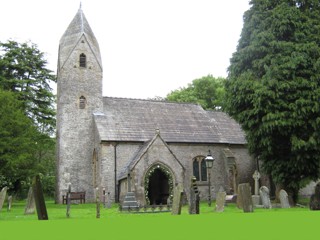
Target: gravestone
[(39, 199), (3, 195), (68, 200), (315, 198), (109, 200), (265, 197), (256, 198), (220, 202), (177, 200), (284, 200), (239, 200), (30, 205), (97, 203), (245, 195), (194, 197), (9, 203)]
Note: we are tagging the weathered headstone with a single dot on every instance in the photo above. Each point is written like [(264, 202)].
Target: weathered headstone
[(265, 197), (9, 203), (256, 198), (220, 201), (109, 200), (97, 203), (315, 198), (68, 201), (239, 200), (39, 199), (245, 195), (194, 197), (30, 205), (177, 200), (3, 195), (284, 200)]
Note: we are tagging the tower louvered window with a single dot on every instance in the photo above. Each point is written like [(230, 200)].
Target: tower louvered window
[(83, 60)]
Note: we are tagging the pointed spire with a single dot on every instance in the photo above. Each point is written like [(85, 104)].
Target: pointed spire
[(80, 5)]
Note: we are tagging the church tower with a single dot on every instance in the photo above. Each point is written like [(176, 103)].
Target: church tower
[(79, 95)]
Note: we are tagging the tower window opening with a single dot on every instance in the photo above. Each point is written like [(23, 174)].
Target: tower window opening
[(83, 60), (82, 102)]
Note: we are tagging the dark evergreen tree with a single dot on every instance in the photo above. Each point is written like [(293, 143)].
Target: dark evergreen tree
[(273, 88), (23, 71)]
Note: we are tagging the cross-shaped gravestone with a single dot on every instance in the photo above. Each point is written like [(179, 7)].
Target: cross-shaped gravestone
[(256, 176)]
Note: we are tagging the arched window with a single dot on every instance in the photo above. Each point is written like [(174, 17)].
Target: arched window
[(199, 168), (82, 102), (83, 60)]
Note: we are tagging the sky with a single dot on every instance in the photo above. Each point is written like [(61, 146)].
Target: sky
[(148, 47)]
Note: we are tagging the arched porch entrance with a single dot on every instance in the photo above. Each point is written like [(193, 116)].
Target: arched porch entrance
[(158, 185)]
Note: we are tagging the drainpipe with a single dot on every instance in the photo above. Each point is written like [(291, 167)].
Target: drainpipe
[(116, 199)]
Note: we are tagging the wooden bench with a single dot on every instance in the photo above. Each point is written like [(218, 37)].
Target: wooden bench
[(75, 196)]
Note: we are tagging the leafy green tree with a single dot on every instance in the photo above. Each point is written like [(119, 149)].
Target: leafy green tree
[(273, 88), (206, 91), (23, 71), (17, 142)]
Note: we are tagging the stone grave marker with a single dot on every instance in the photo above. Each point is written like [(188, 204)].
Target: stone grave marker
[(239, 200), (68, 200), (3, 195), (39, 199), (177, 200), (284, 200), (256, 198), (315, 198), (265, 197), (245, 195), (194, 197), (9, 203), (30, 205), (109, 200), (220, 202), (97, 203)]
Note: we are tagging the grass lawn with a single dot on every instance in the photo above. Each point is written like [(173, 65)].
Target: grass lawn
[(294, 223)]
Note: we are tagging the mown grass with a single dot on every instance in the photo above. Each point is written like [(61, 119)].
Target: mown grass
[(294, 223)]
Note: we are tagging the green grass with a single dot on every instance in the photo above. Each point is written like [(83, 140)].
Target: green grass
[(294, 223)]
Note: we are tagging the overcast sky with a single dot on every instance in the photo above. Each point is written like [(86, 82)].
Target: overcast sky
[(148, 47)]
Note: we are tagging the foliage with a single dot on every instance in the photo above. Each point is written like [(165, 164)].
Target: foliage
[(273, 88), (23, 71), (206, 91), (27, 118)]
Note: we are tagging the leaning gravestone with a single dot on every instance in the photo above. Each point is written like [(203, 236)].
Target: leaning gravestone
[(30, 206), (194, 197), (315, 198), (9, 203), (284, 200), (265, 197), (220, 202), (3, 194), (245, 195), (177, 200), (39, 199)]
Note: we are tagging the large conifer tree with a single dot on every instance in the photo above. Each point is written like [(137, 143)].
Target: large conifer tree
[(273, 88)]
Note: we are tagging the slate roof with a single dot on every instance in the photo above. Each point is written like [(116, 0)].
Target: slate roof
[(78, 27), (136, 120)]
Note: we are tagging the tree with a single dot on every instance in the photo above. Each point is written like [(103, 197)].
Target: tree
[(23, 71), (206, 91), (17, 142), (273, 88)]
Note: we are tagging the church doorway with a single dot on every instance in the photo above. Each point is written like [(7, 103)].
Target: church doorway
[(158, 185)]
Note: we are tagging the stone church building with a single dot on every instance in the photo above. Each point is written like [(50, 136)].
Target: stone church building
[(110, 142)]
